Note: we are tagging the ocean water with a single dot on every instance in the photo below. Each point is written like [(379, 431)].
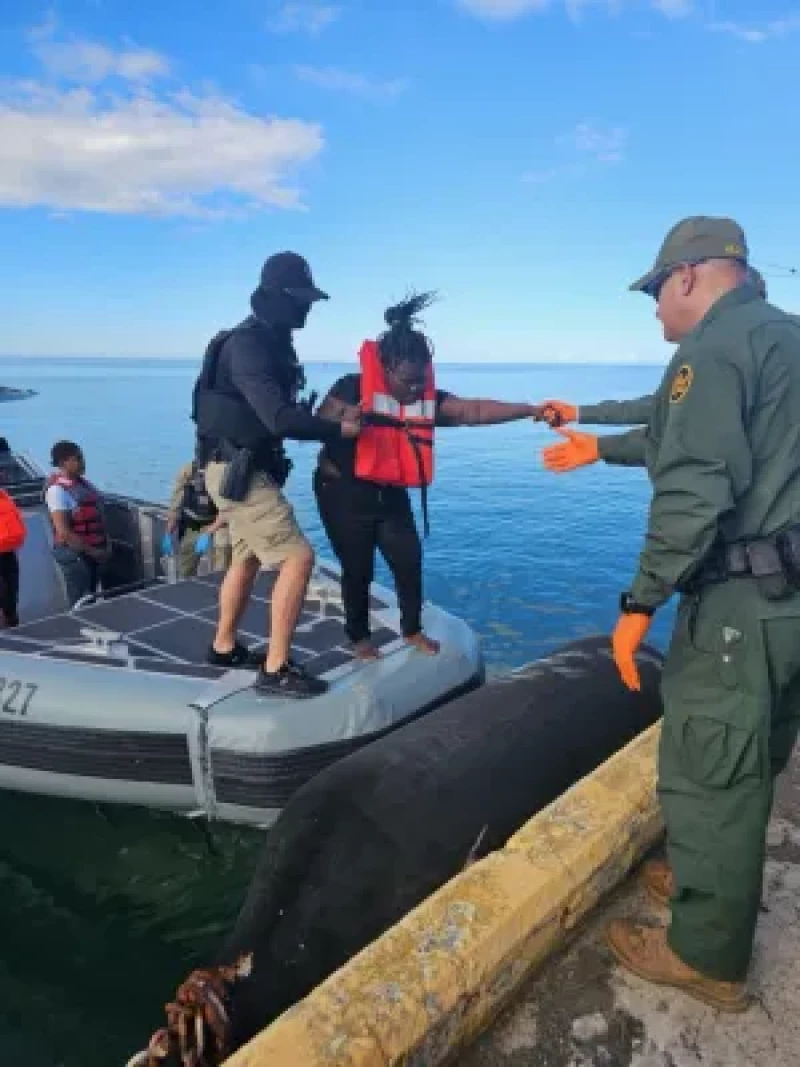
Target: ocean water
[(530, 559)]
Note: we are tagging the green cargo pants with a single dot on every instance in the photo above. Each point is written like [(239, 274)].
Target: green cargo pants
[(731, 691), (189, 561)]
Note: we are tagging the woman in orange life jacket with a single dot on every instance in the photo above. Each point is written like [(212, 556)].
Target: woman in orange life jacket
[(80, 543), (362, 485)]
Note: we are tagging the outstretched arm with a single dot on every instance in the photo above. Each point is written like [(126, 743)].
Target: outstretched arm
[(606, 413), (456, 411), (580, 449), (623, 449)]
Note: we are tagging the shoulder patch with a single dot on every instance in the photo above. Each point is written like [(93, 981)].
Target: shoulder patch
[(681, 384)]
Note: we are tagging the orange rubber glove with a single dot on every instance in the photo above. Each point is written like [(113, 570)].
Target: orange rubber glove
[(557, 412), (578, 450), (629, 633)]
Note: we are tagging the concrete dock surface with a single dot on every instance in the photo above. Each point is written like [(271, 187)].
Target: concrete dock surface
[(583, 1010)]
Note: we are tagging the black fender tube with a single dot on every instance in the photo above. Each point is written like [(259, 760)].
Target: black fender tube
[(373, 835)]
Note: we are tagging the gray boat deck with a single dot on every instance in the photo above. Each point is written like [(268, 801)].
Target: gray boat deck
[(168, 629)]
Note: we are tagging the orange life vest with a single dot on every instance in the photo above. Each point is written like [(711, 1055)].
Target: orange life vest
[(397, 447), (87, 518), (12, 525)]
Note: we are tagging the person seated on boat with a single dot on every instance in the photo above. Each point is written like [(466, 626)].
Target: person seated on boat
[(246, 402), (12, 537), (193, 520), (80, 543), (362, 486)]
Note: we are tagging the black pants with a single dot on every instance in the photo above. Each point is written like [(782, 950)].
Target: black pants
[(9, 587), (358, 518)]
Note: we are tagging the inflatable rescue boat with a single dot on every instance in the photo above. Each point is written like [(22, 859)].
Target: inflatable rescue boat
[(112, 700)]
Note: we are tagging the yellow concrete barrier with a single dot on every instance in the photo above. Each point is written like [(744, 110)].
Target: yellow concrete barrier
[(437, 978)]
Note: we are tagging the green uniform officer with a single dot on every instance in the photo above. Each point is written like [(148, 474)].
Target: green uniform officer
[(722, 448), (625, 449)]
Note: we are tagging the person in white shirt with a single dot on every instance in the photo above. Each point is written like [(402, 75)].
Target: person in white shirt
[(80, 542)]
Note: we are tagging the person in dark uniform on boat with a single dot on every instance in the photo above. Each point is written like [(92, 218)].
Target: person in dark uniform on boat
[(362, 486), (193, 521), (246, 401)]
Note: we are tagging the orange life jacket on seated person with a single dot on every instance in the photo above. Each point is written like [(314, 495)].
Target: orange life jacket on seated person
[(12, 525), (395, 446), (87, 518)]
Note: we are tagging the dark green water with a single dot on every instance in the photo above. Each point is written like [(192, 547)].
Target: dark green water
[(104, 911)]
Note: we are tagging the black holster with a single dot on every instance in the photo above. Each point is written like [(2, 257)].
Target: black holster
[(788, 542), (773, 562), (235, 482)]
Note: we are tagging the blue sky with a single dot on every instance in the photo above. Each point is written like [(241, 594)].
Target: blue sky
[(523, 157)]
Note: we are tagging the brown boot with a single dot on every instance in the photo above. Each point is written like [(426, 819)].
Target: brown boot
[(644, 951), (658, 881)]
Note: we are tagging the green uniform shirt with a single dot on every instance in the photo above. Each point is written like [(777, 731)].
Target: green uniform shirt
[(617, 412), (722, 447), (624, 449)]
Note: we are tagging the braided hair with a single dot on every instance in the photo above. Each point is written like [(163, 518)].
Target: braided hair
[(403, 342)]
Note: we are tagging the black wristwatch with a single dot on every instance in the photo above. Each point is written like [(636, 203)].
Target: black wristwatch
[(628, 606)]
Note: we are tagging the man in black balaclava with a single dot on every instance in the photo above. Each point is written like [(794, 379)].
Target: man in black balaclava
[(246, 401)]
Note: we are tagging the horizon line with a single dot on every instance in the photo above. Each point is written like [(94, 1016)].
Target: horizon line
[(354, 362)]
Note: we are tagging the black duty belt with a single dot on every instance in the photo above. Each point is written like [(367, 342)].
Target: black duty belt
[(769, 559)]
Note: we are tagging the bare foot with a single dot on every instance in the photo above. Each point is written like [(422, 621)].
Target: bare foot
[(423, 643), (365, 650)]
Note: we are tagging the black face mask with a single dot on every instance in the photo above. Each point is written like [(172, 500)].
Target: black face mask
[(279, 308), (301, 310)]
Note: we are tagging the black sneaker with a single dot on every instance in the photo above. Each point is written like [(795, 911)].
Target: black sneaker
[(239, 658), (290, 681)]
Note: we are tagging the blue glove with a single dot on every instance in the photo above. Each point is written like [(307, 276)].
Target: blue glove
[(202, 544), (167, 547)]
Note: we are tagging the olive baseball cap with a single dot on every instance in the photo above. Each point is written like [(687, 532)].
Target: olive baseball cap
[(693, 240)]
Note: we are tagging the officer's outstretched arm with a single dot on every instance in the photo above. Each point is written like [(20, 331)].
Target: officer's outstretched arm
[(607, 413), (580, 449), (623, 449), (704, 465)]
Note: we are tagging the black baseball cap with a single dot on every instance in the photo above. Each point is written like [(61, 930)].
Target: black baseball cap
[(291, 273)]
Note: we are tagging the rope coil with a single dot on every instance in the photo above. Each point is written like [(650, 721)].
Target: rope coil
[(198, 1019)]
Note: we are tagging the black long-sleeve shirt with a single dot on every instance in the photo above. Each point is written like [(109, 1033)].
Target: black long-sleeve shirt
[(252, 365)]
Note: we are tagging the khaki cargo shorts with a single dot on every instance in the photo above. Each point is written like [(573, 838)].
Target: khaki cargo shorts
[(261, 525)]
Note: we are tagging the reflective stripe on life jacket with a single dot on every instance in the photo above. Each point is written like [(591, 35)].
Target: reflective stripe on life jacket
[(86, 518), (395, 446), (12, 525)]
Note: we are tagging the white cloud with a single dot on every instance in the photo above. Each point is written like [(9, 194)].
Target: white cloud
[(336, 80), (589, 144), (507, 10), (758, 34), (81, 61), (311, 18), (605, 144), (84, 147), (674, 9), (502, 9), (86, 61)]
